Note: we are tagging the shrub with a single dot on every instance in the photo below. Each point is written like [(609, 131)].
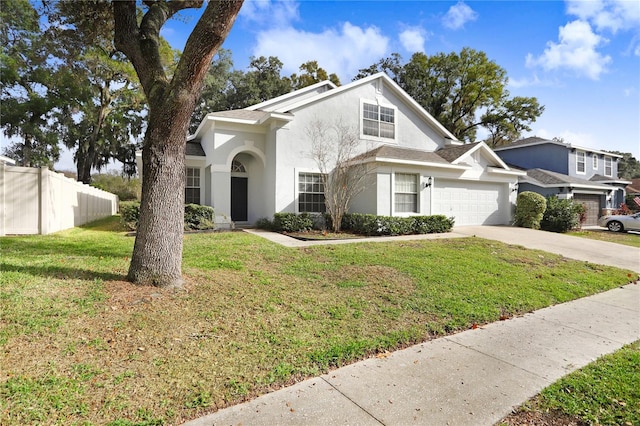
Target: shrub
[(435, 224), (264, 223), (129, 213), (368, 224), (196, 217), (561, 215), (292, 222), (530, 207)]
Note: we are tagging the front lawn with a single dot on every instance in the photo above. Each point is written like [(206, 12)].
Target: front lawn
[(81, 345), (627, 238)]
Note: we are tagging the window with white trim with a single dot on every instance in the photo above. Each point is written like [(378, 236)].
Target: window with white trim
[(608, 166), (580, 162), (594, 162), (378, 120), (406, 193), (192, 186), (311, 193)]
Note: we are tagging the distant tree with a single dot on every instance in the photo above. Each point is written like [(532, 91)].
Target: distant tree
[(227, 89), (311, 73), (217, 85), (261, 82), (171, 98), (28, 82), (125, 187), (108, 109), (333, 146), (628, 165), (456, 88)]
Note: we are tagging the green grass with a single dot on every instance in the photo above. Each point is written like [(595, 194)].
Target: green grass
[(625, 238), (82, 346), (605, 392)]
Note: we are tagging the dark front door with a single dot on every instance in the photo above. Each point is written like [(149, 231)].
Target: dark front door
[(239, 198)]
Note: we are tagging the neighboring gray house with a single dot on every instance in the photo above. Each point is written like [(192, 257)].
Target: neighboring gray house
[(585, 175), (254, 162)]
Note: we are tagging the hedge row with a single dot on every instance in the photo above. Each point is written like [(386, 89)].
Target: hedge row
[(369, 224), (364, 224), (196, 217)]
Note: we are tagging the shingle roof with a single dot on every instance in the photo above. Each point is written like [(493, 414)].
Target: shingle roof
[(194, 148), (240, 114), (526, 141), (397, 153), (547, 177), (452, 153)]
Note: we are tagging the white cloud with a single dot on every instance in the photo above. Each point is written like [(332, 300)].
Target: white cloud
[(272, 13), (575, 50), (612, 15), (413, 39), (458, 15), (534, 81), (342, 50)]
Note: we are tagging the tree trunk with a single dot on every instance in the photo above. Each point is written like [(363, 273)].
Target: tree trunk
[(157, 252)]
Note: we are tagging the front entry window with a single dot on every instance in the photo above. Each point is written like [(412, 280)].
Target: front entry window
[(311, 193), (192, 186), (406, 193)]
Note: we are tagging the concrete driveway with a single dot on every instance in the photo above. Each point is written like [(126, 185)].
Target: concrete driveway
[(594, 251)]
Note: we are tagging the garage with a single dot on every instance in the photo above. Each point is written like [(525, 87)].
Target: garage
[(592, 203), (472, 203)]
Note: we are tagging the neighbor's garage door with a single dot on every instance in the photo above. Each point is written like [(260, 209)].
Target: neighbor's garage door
[(592, 203), (472, 203)]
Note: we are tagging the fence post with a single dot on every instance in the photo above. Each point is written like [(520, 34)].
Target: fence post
[(2, 200)]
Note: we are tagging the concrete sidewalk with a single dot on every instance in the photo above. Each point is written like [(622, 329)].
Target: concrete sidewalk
[(472, 378)]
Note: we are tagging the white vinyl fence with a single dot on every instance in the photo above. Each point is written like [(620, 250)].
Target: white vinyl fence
[(39, 201)]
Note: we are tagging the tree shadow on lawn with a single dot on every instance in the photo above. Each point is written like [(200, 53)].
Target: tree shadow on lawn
[(63, 273), (46, 246)]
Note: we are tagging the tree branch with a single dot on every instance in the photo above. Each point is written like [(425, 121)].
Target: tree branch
[(204, 41)]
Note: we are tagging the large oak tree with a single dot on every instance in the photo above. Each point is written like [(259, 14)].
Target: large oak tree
[(157, 253)]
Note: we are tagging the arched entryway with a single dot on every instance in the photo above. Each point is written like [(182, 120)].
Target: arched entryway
[(239, 190)]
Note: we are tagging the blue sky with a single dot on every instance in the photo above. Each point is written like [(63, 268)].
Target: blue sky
[(581, 59)]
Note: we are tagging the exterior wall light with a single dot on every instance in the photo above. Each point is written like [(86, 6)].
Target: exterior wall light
[(515, 187), (428, 182)]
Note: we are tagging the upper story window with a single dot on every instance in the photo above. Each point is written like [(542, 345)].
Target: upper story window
[(192, 186), (406, 193), (608, 166), (378, 121), (580, 162), (311, 193), (594, 162)]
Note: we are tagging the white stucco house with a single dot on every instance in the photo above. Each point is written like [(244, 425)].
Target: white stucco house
[(251, 163)]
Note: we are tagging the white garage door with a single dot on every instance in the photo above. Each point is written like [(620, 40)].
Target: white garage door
[(472, 203)]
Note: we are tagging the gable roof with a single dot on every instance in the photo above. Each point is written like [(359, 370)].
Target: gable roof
[(384, 79), (455, 154), (548, 179), (292, 97), (534, 140)]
